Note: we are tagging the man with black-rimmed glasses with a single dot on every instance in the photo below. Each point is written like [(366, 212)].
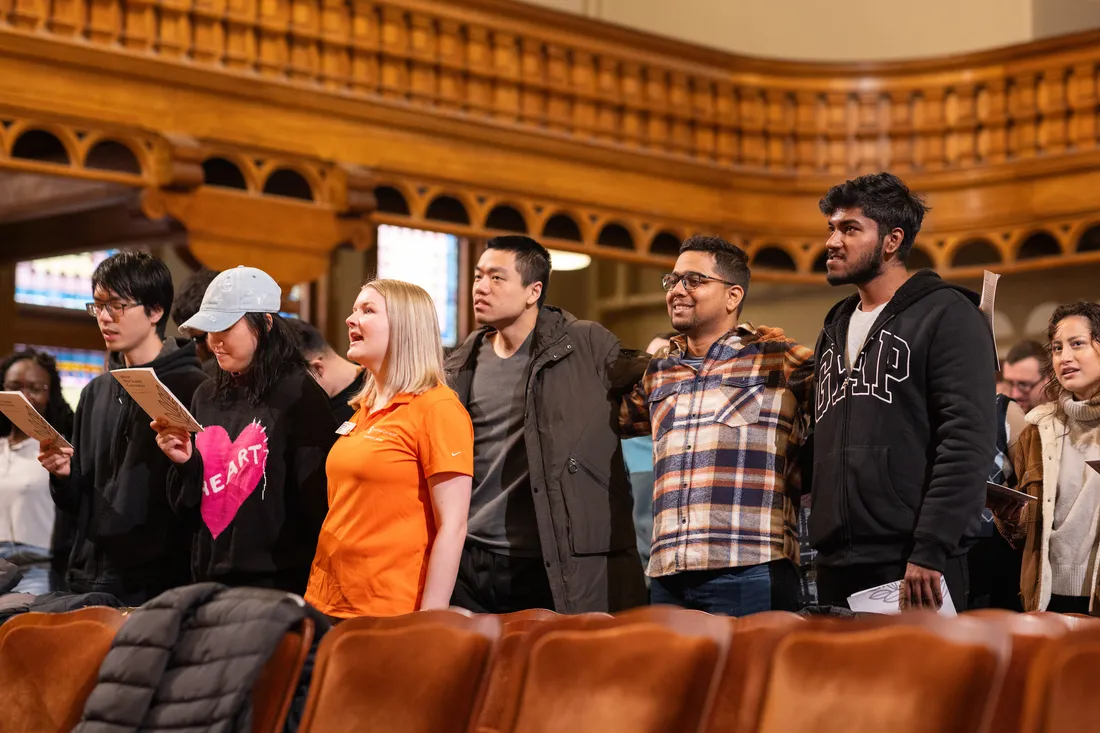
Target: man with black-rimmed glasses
[(129, 543), (728, 406)]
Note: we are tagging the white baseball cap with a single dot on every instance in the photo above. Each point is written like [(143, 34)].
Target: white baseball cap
[(232, 294)]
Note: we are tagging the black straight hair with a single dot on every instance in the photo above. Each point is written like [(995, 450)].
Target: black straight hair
[(730, 261), (58, 413), (140, 277), (310, 340), (532, 260), (187, 301), (886, 200), (277, 356)]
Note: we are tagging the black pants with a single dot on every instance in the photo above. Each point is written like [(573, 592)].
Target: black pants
[(492, 583), (1069, 604), (995, 574), (835, 584)]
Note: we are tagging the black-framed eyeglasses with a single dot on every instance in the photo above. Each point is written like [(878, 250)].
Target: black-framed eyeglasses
[(691, 280), (115, 308), (26, 388)]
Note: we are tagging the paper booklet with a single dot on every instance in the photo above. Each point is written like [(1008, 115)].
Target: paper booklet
[(989, 293), (1003, 492), (156, 399), (22, 413), (886, 599)]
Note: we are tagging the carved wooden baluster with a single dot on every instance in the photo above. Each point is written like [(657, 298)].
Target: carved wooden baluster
[(656, 102), (582, 76), (780, 122), (900, 132), (993, 120), (679, 113), (104, 21), (67, 19), (806, 132), (479, 90), (704, 141), (965, 125), (1051, 135), (633, 120), (274, 24), (209, 30), (532, 88), (838, 133), (609, 96), (6, 7), (753, 133), (725, 112), (424, 77), (1083, 102), (304, 33), (868, 146), (1023, 110), (934, 129), (336, 28), (365, 33), (951, 128), (822, 122), (240, 35), (451, 85), (505, 76), (395, 52), (30, 15), (174, 37), (559, 106), (139, 28)]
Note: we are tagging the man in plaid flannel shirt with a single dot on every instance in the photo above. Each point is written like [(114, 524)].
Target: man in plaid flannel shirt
[(729, 409)]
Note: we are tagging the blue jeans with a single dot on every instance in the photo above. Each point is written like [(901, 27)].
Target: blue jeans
[(36, 575), (733, 591)]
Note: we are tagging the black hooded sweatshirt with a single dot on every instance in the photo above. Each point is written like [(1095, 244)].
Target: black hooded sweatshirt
[(128, 543), (903, 443), (255, 490)]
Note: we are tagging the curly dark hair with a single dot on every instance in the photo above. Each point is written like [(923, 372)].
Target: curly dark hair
[(58, 413), (1054, 391), (884, 199)]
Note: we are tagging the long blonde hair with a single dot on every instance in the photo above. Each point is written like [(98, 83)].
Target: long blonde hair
[(414, 357)]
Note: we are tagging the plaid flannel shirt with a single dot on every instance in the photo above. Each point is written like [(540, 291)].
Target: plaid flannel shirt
[(726, 445)]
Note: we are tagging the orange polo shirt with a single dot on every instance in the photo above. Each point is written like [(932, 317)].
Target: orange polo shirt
[(372, 555)]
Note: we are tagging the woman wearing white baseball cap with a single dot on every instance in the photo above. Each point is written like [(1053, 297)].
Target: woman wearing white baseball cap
[(254, 480)]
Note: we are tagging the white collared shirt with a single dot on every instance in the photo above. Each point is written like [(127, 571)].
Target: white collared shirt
[(26, 508)]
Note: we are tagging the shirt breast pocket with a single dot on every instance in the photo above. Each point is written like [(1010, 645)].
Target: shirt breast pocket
[(744, 399), (662, 409)]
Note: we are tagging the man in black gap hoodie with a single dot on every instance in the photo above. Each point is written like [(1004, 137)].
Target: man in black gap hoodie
[(129, 543), (906, 423)]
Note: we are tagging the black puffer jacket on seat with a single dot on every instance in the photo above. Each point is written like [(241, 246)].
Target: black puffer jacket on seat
[(188, 659)]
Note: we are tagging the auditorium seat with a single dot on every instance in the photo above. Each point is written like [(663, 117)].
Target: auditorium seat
[(274, 690), (1030, 633), (48, 667), (1061, 685), (915, 675), (744, 676), (650, 670), (418, 673)]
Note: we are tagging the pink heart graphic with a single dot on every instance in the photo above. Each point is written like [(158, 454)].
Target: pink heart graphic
[(230, 471)]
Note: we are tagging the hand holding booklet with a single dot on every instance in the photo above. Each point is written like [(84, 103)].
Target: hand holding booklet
[(23, 415), (887, 599), (157, 400)]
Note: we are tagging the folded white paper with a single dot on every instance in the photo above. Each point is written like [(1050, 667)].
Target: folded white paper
[(887, 599), (156, 399), (22, 413)]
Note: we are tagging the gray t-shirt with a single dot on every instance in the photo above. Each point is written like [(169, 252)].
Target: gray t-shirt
[(502, 510)]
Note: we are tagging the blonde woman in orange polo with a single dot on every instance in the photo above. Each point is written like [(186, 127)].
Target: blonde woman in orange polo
[(399, 476)]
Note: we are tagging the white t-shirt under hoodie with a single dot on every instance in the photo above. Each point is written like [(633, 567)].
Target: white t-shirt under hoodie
[(26, 509)]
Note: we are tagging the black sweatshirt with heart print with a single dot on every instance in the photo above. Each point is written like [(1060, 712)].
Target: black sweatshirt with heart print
[(255, 489)]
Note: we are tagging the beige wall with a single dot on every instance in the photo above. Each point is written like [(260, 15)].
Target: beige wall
[(844, 29)]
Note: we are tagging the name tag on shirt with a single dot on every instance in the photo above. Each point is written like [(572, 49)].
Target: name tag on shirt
[(345, 428)]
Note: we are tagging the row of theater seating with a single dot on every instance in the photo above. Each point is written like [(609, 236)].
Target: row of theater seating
[(651, 670)]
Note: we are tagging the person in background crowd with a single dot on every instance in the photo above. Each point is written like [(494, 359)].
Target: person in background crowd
[(252, 484), (1003, 387), (550, 518), (728, 407), (638, 454), (186, 305), (906, 410), (994, 563), (1023, 374), (1060, 531), (31, 530), (341, 379), (399, 476), (129, 542)]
